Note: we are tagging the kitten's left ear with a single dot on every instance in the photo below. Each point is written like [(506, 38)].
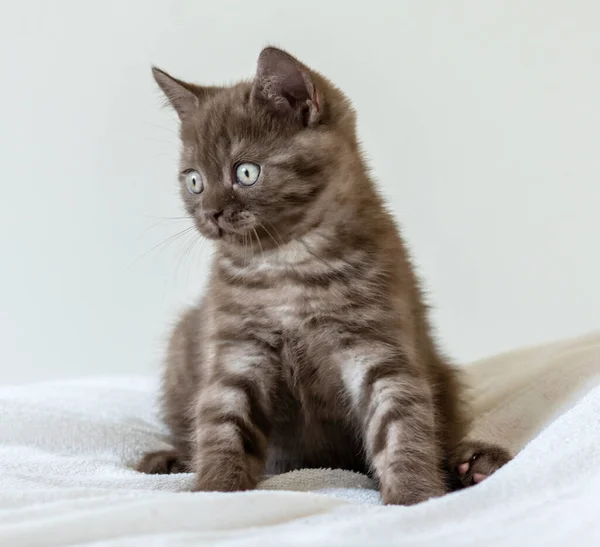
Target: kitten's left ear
[(183, 96), (286, 87)]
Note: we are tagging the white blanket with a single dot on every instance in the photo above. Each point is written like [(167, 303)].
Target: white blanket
[(66, 451)]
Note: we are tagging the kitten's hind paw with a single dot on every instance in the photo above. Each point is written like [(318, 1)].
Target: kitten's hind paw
[(475, 461), (161, 462)]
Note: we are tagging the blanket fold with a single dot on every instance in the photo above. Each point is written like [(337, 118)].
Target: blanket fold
[(67, 451)]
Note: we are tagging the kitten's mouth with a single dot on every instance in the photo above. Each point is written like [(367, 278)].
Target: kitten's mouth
[(234, 231), (226, 233), (224, 229)]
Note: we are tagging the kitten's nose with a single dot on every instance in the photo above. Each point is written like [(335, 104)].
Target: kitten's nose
[(215, 215)]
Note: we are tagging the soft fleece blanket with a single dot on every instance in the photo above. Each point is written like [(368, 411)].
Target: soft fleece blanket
[(66, 451)]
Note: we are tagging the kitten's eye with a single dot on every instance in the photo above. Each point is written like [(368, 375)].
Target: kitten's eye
[(247, 173), (193, 181)]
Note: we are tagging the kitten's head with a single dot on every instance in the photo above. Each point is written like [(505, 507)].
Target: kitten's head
[(263, 159)]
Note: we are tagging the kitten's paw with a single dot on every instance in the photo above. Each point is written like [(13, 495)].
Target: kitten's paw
[(402, 492), (222, 474), (161, 462), (475, 461)]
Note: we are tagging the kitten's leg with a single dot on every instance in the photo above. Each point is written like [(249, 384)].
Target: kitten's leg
[(395, 409), (474, 461), (181, 377), (233, 418)]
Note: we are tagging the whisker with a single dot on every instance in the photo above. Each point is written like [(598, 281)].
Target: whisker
[(276, 232), (320, 258), (167, 129), (189, 259), (197, 250), (250, 241), (191, 254), (259, 243), (167, 142), (184, 251), (166, 218), (245, 250), (333, 242), (160, 221), (165, 243), (270, 235)]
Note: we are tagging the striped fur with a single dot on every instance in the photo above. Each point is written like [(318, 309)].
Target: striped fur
[(311, 346)]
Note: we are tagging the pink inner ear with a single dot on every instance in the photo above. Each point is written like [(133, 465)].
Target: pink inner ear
[(281, 80), (315, 100)]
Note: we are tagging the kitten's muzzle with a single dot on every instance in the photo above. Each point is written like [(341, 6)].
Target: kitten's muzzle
[(214, 217), (231, 220)]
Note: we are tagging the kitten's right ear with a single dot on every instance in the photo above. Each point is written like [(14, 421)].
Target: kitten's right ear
[(286, 87), (183, 97)]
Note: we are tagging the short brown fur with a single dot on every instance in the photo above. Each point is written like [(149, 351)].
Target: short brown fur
[(311, 346)]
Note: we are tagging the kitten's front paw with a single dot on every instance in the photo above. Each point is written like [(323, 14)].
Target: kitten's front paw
[(411, 494), (222, 474), (475, 461), (161, 462)]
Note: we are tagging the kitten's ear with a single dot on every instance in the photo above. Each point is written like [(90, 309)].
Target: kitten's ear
[(183, 97), (286, 87)]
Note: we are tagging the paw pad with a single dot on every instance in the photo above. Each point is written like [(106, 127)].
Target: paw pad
[(476, 461), (464, 467)]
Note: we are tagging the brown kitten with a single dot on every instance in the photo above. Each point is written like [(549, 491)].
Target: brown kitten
[(311, 346)]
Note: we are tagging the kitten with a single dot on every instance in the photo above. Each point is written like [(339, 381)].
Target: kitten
[(311, 346)]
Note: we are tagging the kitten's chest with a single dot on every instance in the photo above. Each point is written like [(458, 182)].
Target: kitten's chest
[(287, 290), (290, 307)]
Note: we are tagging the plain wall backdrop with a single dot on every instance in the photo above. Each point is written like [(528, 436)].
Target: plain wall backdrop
[(481, 121)]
